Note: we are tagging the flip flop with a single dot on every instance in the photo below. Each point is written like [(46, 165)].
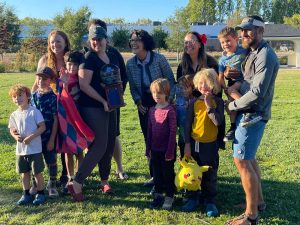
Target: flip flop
[(245, 219)]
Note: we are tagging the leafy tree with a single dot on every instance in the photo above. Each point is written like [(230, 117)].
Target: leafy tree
[(9, 24), (144, 21), (294, 20), (160, 36), (267, 9), (74, 23), (179, 26), (120, 37), (118, 21), (252, 7), (35, 26), (283, 8), (201, 11)]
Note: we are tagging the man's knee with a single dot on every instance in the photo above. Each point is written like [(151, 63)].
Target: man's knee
[(242, 164)]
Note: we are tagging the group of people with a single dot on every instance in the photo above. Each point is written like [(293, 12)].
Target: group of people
[(44, 121)]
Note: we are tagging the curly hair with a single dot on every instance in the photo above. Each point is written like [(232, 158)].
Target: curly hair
[(211, 77), (202, 59), (51, 59), (145, 37), (19, 89)]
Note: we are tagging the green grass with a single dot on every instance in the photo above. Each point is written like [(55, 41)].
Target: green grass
[(278, 156)]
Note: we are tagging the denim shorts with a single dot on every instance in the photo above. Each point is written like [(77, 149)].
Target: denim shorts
[(247, 139)]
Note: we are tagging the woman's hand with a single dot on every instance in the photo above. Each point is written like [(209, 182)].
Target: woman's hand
[(106, 108)]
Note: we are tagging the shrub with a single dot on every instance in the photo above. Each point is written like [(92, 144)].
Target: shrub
[(2, 68), (283, 60)]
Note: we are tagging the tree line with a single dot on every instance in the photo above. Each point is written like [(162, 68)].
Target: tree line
[(74, 23)]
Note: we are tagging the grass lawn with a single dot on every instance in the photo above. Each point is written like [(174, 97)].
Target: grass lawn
[(279, 157)]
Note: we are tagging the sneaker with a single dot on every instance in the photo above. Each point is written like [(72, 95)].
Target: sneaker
[(250, 119), (211, 210), (190, 206), (24, 200), (168, 203), (51, 187), (157, 202), (65, 190), (106, 189), (149, 183), (229, 136), (39, 199)]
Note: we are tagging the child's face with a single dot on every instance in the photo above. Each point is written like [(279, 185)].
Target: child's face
[(229, 43), (187, 89), (158, 96), (203, 87), (43, 82), (72, 67), (21, 99)]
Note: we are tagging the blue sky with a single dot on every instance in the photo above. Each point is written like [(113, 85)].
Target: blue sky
[(131, 10)]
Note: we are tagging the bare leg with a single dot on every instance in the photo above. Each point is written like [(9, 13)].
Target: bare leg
[(79, 159), (258, 174), (118, 155), (70, 165), (39, 181), (250, 184), (26, 180)]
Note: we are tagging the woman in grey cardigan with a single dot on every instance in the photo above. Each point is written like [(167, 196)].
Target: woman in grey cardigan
[(143, 68)]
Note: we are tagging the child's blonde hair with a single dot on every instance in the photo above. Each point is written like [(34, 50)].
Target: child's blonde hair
[(228, 31), (162, 85), (19, 89), (211, 77)]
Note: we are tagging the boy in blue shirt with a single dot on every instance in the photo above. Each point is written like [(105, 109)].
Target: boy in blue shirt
[(232, 59), (44, 100)]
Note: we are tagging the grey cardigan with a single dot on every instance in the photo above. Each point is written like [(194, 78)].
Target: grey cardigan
[(158, 67)]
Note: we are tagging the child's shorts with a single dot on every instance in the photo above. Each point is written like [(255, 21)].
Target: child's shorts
[(247, 139), (26, 162)]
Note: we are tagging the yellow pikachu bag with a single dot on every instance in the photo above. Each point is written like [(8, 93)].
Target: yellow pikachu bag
[(189, 175)]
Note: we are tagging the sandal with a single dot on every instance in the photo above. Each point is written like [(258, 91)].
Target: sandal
[(122, 176), (245, 219), (77, 197), (106, 189)]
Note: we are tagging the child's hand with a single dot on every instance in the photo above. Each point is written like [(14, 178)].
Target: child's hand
[(208, 99), (27, 140), (50, 145), (187, 150), (142, 109), (16, 135), (106, 108)]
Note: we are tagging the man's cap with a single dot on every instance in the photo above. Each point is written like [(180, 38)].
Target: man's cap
[(97, 32), (45, 72), (250, 23)]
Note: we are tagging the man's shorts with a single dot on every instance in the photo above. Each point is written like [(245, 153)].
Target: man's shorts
[(247, 139), (26, 162)]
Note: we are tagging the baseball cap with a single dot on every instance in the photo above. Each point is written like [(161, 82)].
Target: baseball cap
[(250, 23), (97, 32), (45, 72)]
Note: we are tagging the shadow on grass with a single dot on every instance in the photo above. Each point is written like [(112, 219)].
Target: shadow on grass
[(281, 198)]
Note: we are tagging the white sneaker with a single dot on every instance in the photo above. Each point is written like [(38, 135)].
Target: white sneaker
[(168, 203), (51, 186)]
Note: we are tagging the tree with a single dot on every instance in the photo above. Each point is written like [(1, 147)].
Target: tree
[(160, 36), (118, 21), (120, 37), (9, 24), (294, 20), (179, 26), (267, 9), (144, 21), (74, 23), (201, 11), (35, 26)]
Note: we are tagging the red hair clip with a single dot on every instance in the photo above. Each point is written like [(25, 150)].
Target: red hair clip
[(203, 38)]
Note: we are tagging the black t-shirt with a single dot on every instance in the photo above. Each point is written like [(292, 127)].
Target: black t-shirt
[(94, 63)]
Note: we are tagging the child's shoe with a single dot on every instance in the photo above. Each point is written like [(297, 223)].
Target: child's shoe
[(251, 119), (168, 203), (157, 202), (65, 190), (229, 136), (51, 186), (39, 199), (24, 200), (190, 206), (211, 210)]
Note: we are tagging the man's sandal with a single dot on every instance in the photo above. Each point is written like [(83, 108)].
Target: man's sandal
[(244, 219)]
